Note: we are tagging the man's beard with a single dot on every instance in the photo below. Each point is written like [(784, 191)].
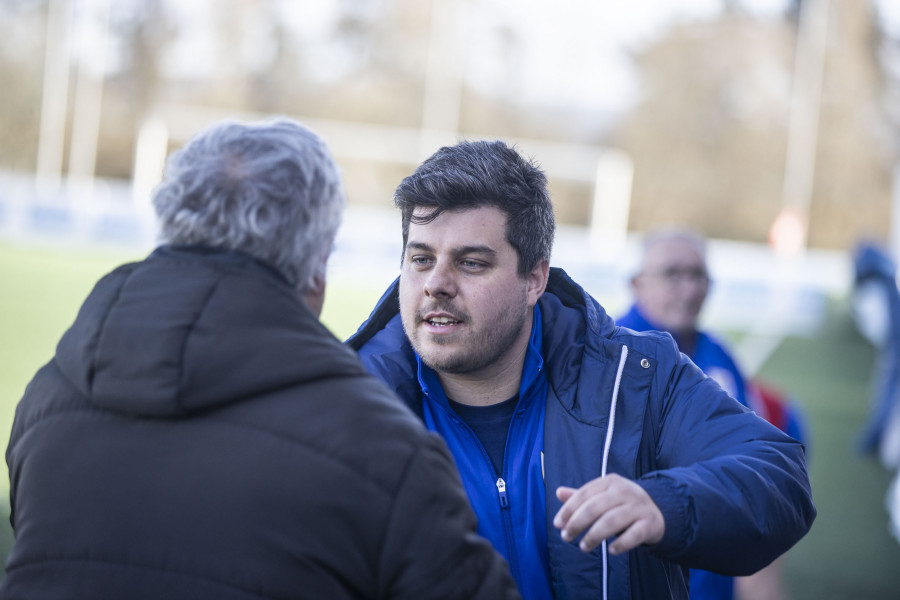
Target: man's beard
[(481, 349)]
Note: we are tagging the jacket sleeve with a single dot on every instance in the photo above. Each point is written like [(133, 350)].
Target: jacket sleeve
[(733, 489), (431, 549)]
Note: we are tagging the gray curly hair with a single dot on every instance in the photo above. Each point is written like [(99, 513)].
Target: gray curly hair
[(270, 189)]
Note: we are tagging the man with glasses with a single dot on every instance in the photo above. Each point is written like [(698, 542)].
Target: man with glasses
[(669, 288)]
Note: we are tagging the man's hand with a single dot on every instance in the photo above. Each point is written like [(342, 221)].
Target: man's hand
[(609, 506)]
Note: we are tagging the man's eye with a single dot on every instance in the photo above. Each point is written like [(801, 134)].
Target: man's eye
[(471, 264), (419, 260)]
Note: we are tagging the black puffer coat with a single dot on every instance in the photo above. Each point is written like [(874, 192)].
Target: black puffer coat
[(199, 434)]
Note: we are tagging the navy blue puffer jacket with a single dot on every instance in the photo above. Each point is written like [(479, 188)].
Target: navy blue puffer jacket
[(733, 489)]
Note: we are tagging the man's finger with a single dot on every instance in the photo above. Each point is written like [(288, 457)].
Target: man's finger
[(629, 539), (564, 494), (613, 521), (592, 510), (573, 498)]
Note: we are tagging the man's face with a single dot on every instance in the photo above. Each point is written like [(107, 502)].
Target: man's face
[(672, 286), (464, 307)]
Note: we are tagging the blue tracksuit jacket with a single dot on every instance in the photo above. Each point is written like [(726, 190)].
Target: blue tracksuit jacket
[(733, 489)]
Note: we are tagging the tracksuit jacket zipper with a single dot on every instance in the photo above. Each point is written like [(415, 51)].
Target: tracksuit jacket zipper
[(502, 495), (503, 500), (507, 525), (512, 511)]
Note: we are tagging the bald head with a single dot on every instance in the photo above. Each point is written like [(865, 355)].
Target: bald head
[(672, 281)]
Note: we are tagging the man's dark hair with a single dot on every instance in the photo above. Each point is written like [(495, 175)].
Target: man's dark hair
[(484, 173)]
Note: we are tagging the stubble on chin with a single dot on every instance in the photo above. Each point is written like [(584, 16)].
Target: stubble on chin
[(474, 352), (435, 351)]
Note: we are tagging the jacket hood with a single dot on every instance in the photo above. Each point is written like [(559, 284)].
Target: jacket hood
[(572, 295), (189, 329)]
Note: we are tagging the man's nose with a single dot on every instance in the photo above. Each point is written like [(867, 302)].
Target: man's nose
[(441, 281)]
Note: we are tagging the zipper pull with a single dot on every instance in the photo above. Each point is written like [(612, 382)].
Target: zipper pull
[(501, 489)]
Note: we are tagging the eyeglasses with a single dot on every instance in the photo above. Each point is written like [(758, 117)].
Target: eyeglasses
[(675, 276)]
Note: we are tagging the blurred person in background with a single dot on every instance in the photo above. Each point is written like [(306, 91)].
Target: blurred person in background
[(200, 434), (670, 288), (600, 462), (876, 311)]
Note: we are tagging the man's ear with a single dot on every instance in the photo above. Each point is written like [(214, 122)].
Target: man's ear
[(634, 281), (536, 281), (315, 293)]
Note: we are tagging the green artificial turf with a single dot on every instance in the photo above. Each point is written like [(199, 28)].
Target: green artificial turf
[(848, 554)]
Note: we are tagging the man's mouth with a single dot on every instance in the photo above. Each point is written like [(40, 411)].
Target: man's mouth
[(442, 321)]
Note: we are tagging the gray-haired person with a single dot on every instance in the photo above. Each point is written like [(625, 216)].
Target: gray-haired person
[(199, 433)]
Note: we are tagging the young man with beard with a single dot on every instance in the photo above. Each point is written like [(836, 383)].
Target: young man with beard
[(600, 462)]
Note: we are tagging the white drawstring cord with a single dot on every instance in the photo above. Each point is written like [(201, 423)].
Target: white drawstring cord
[(606, 446)]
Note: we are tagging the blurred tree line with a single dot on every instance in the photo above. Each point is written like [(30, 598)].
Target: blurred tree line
[(707, 136), (710, 133)]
